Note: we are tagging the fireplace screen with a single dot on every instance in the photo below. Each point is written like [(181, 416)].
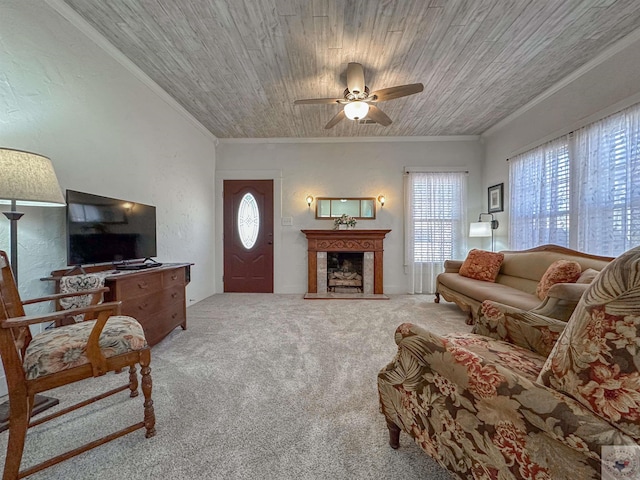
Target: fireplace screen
[(344, 271)]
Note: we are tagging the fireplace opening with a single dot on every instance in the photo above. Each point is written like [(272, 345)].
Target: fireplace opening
[(344, 272)]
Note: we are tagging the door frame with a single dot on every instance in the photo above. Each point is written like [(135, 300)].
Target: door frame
[(220, 177)]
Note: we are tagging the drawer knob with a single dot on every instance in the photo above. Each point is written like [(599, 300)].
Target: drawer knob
[(174, 315), (174, 277), (174, 294), (143, 306), (143, 284)]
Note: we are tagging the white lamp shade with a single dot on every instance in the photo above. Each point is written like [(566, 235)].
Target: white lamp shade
[(356, 110), (480, 229), (29, 179)]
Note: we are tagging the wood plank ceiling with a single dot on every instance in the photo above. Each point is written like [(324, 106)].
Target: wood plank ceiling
[(238, 65)]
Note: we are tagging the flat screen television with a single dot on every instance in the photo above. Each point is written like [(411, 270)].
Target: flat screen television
[(103, 229)]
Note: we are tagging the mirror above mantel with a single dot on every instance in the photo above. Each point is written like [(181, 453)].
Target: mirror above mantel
[(361, 208)]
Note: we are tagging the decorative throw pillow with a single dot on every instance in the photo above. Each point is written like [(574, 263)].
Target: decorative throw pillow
[(596, 360), (560, 271), (482, 265), (587, 276)]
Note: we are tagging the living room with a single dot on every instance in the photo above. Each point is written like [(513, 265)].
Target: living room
[(69, 94)]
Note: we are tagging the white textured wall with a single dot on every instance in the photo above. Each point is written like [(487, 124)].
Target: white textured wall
[(354, 169), (602, 90), (107, 133)]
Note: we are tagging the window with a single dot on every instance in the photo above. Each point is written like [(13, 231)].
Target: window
[(540, 186), (435, 224), (582, 190), (248, 221)]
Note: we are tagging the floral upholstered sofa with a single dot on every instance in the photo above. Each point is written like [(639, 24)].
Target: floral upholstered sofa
[(520, 404), (516, 281)]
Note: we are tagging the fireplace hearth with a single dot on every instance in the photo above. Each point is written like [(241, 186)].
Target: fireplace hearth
[(329, 250)]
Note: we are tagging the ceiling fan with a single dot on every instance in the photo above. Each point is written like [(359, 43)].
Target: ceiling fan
[(358, 102)]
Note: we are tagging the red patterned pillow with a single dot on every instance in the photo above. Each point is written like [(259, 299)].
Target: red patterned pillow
[(560, 271), (482, 265)]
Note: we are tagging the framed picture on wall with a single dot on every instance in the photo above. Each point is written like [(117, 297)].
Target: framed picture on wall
[(496, 198)]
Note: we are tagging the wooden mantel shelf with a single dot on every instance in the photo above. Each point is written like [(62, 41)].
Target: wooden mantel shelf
[(353, 240)]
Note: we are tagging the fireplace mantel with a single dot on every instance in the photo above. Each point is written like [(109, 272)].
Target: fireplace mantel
[(353, 240)]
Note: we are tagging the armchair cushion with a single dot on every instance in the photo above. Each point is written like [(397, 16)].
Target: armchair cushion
[(588, 276), (65, 347), (79, 283), (596, 359)]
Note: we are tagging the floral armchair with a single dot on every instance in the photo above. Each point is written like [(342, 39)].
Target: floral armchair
[(526, 397)]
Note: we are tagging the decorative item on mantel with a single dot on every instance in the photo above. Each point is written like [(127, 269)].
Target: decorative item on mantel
[(344, 222)]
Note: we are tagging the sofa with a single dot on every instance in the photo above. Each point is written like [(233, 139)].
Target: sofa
[(524, 405), (516, 283)]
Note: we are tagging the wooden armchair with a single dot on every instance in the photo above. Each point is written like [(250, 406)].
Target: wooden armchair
[(61, 356)]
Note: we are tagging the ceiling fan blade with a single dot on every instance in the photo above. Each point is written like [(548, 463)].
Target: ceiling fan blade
[(355, 78), (308, 101), (378, 116), (396, 92), (332, 123)]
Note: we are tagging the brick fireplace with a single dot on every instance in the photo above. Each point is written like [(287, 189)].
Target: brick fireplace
[(324, 244)]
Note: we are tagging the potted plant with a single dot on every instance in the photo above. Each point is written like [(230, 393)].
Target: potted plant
[(344, 222)]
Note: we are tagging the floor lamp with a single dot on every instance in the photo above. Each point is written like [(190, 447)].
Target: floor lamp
[(483, 229), (26, 179)]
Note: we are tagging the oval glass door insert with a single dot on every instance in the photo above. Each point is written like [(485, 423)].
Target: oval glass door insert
[(248, 221)]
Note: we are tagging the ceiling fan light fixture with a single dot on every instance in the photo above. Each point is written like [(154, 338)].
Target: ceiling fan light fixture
[(356, 110)]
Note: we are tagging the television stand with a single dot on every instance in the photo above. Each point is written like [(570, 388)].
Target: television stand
[(156, 297)]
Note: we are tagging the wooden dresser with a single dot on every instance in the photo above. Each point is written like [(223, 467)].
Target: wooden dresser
[(156, 297)]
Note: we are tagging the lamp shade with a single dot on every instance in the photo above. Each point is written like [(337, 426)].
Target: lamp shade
[(29, 179), (356, 110), (480, 229)]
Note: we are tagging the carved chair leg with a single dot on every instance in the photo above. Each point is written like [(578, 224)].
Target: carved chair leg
[(133, 381), (394, 434), (18, 424), (437, 299), (149, 414)]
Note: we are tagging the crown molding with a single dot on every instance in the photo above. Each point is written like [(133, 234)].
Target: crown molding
[(443, 138), (566, 81), (87, 29)]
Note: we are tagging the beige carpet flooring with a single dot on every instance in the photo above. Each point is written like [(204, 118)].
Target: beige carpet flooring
[(259, 387)]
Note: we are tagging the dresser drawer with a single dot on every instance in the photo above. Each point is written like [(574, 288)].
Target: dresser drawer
[(139, 286), (142, 306), (173, 277), (159, 325), (173, 295)]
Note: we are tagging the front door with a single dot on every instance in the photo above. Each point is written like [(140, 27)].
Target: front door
[(248, 236)]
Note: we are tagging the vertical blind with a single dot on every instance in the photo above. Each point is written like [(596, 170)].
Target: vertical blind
[(435, 224), (581, 190)]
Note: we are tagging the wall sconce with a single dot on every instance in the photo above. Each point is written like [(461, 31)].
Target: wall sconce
[(484, 229), (309, 200), (381, 199)]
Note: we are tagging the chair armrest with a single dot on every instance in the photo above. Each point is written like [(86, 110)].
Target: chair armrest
[(58, 296), (436, 385), (520, 327), (561, 300), (452, 266), (113, 307), (568, 291)]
